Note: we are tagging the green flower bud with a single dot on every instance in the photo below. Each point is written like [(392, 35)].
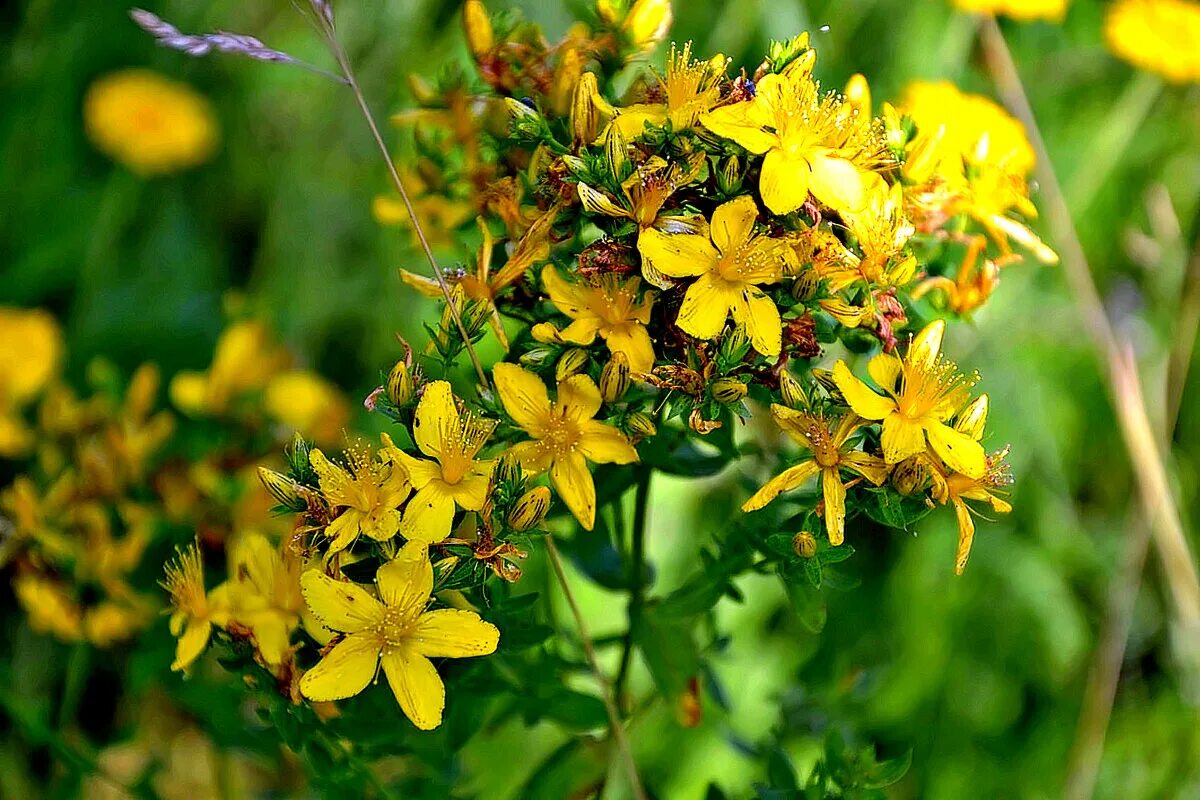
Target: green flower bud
[(792, 391), (400, 388), (530, 509), (615, 378), (640, 425), (805, 544), (728, 390), (571, 362), (283, 489)]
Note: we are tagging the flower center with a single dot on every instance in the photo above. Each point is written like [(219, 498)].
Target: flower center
[(394, 628), (561, 436)]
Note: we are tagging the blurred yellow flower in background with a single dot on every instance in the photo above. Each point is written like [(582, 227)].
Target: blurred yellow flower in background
[(1162, 36), (31, 349), (245, 360), (152, 125), (303, 401), (1025, 10)]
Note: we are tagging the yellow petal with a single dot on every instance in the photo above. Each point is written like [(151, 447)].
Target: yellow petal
[(416, 684), (862, 399), (960, 452), (534, 457), (758, 313), (901, 438), (344, 530), (634, 342), (973, 419), (569, 298), (452, 633), (596, 202), (188, 391), (436, 420), (345, 670), (706, 306), (523, 394), (837, 183), (420, 471), (406, 581), (579, 398), (191, 644), (784, 182), (733, 222), (574, 485), (471, 492), (429, 514), (340, 605), (835, 505), (581, 331), (873, 469), (966, 536), (423, 284), (679, 255), (272, 634), (790, 478), (381, 524), (604, 444), (884, 369), (926, 345), (733, 122)]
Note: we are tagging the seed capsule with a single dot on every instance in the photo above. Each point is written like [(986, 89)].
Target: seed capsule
[(910, 475), (615, 378), (530, 509), (537, 357), (805, 544), (571, 362), (282, 488)]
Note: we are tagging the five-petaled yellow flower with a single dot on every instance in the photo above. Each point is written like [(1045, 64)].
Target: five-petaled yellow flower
[(193, 612), (798, 132), (263, 593), (456, 476), (370, 491), (1162, 36), (729, 263), (609, 308), (394, 631), (565, 434), (923, 391), (830, 455)]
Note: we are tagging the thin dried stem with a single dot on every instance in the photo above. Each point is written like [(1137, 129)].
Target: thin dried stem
[(606, 693)]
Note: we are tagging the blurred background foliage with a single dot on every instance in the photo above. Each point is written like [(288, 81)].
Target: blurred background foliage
[(982, 676)]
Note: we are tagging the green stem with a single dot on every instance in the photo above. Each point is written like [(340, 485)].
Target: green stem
[(637, 574), (78, 664)]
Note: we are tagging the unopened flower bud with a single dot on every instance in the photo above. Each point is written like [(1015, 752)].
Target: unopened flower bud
[(400, 388), (537, 357), (729, 176), (858, 94), (805, 544), (640, 425), (825, 378), (615, 378), (972, 419), (282, 488), (792, 391), (737, 343), (647, 23), (805, 286), (478, 27), (585, 111), (910, 475), (519, 110), (728, 390), (571, 362), (530, 509)]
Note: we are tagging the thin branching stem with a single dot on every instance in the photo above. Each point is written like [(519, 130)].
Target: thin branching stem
[(637, 575), (606, 693)]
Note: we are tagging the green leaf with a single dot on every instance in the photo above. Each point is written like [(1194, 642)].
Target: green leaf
[(669, 649), (812, 571), (885, 773), (780, 772), (894, 510), (809, 605), (833, 555)]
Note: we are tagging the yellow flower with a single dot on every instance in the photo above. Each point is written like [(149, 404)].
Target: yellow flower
[(645, 192), (303, 401), (645, 24), (370, 491), (1162, 36), (689, 89), (956, 488), (49, 607), (149, 123), (263, 592), (923, 391), (811, 144), (31, 350), (193, 612), (440, 216), (729, 268), (1025, 10), (609, 308), (245, 359), (565, 434), (457, 477), (394, 630), (830, 455)]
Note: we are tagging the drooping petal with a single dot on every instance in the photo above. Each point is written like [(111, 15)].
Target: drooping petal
[(429, 514), (834, 492), (884, 369), (837, 183), (454, 633), (406, 581), (344, 530), (436, 419), (634, 342), (523, 394), (604, 444), (579, 398), (706, 306), (960, 452), (733, 122), (759, 314), (901, 438), (422, 283), (680, 255), (870, 467), (862, 399), (340, 605), (732, 223), (344, 671), (966, 536), (784, 182), (796, 424), (574, 485), (191, 644), (416, 684), (272, 633), (790, 478)]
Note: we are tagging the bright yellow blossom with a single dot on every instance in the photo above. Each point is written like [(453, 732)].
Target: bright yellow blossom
[(31, 349), (923, 391), (149, 123), (49, 607), (1024, 10), (644, 193), (608, 308), (1162, 36), (193, 611), (246, 358), (565, 434), (689, 89), (804, 139), (729, 263), (456, 476), (645, 24), (303, 401), (830, 455), (369, 492), (394, 631), (263, 593)]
